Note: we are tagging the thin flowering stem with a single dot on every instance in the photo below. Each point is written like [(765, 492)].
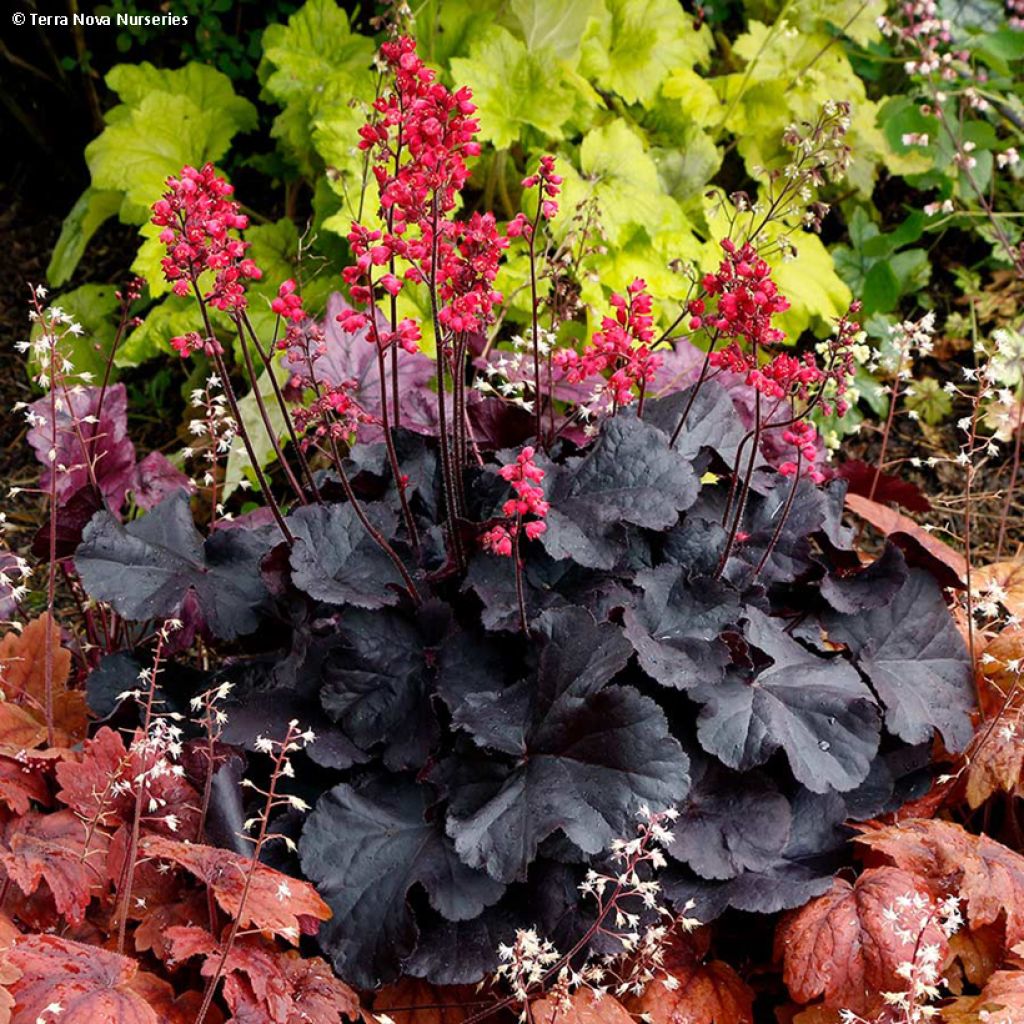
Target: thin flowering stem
[(786, 509), (268, 368), (281, 768), (127, 878), (887, 429), (229, 392), (261, 405), (520, 595)]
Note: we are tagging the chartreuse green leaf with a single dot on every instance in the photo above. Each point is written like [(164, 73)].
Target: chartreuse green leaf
[(93, 208), (170, 118), (557, 28), (617, 171), (445, 28), (927, 399), (787, 78), (514, 87), (633, 46), (94, 306), (300, 62)]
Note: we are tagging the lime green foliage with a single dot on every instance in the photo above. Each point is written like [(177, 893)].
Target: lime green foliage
[(927, 400), (316, 68), (165, 119), (95, 308)]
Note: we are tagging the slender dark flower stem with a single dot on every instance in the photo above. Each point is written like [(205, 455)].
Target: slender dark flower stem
[(51, 575), (372, 530), (745, 490), (389, 441), (389, 444), (265, 415), (520, 595), (229, 391), (268, 367), (535, 328), (128, 871), (887, 429), (442, 404), (786, 509), (705, 366), (261, 838)]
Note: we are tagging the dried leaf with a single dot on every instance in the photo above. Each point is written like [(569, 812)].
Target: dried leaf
[(275, 902), (995, 763), (1001, 1002), (1003, 581), (843, 946), (23, 676), (91, 984), (19, 729), (701, 991), (434, 1004), (987, 877), (55, 848), (584, 1007), (265, 984), (978, 953), (908, 535)]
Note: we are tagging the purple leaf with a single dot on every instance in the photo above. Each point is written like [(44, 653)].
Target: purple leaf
[(156, 478), (106, 443), (351, 356)]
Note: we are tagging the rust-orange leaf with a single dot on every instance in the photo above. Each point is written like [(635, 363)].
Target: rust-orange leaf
[(102, 786), (23, 676), (1001, 1002), (1003, 581), (583, 1007), (275, 902), (842, 946), (701, 991), (19, 729), (92, 985), (988, 877), (55, 848), (433, 1004), (20, 784)]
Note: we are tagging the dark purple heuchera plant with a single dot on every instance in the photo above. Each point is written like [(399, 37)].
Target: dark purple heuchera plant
[(512, 621)]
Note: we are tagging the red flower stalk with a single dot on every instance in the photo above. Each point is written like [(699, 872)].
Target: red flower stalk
[(524, 476), (198, 216), (622, 346)]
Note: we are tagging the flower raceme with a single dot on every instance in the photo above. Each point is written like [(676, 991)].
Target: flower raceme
[(198, 216), (622, 346), (420, 138), (525, 476), (549, 185)]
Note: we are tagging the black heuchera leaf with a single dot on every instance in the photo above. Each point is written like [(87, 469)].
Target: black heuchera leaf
[(674, 627), (365, 847), (872, 587), (584, 754), (712, 424), (803, 870), (147, 568), (817, 710), (630, 475), (377, 686), (729, 823), (916, 660), (336, 560)]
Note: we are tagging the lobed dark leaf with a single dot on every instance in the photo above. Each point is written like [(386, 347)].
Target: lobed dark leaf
[(149, 568), (365, 848), (916, 659), (817, 710)]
